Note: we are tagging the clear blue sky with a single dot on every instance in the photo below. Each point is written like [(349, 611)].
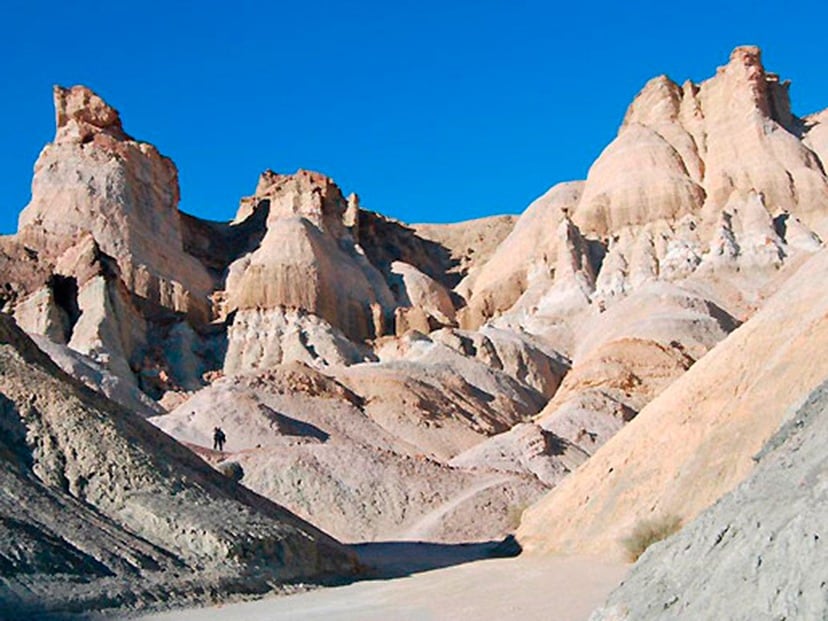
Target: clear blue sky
[(431, 111)]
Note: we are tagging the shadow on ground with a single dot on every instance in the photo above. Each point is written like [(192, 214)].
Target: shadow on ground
[(34, 612), (395, 559)]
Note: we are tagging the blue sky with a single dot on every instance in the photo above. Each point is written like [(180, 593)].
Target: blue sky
[(431, 111)]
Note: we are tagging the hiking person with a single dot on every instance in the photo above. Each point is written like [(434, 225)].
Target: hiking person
[(218, 439)]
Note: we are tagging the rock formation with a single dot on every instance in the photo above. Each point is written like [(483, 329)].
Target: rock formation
[(362, 454), (757, 553), (696, 440), (100, 509), (631, 340), (701, 178), (308, 258), (95, 179)]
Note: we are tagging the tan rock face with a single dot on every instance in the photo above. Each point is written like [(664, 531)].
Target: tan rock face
[(95, 179), (703, 181), (307, 259), (524, 259), (816, 135), (413, 288), (469, 244), (682, 149), (80, 114)]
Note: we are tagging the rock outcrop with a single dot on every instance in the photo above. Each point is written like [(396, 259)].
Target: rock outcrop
[(689, 150), (308, 258), (99, 509), (94, 179), (695, 441), (631, 340), (361, 454), (701, 179), (525, 257), (758, 553)]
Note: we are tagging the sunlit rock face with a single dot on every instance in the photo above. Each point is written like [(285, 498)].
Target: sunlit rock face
[(308, 257), (703, 179), (692, 149), (94, 179)]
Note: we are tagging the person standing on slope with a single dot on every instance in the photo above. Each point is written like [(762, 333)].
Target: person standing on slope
[(218, 439)]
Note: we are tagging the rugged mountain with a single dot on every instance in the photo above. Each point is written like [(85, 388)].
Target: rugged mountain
[(98, 508), (701, 180)]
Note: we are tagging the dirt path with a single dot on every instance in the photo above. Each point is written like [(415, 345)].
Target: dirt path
[(424, 528)]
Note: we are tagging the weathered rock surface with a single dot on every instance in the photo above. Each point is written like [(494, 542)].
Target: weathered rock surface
[(412, 288), (628, 355), (340, 452), (308, 258), (525, 448), (692, 148), (524, 258), (260, 339), (695, 441), (98, 508), (758, 553), (428, 381), (95, 179), (99, 379), (701, 178)]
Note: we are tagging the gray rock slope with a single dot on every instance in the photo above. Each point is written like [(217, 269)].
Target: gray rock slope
[(760, 553), (99, 509)]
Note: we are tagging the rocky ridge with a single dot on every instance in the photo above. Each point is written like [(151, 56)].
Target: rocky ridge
[(696, 440)]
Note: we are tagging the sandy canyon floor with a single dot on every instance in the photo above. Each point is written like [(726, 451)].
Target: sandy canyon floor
[(526, 588)]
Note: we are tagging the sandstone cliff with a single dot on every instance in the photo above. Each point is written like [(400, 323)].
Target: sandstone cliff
[(701, 180), (95, 179)]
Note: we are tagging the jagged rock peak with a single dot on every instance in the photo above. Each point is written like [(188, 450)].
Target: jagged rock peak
[(745, 86), (307, 194), (761, 89), (95, 180), (270, 181), (80, 113)]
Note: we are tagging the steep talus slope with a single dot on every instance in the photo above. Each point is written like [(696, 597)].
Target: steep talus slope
[(92, 491), (695, 441), (759, 553)]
